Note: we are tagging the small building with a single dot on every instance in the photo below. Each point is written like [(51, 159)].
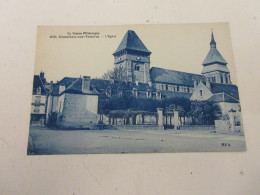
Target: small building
[(73, 104), (39, 98)]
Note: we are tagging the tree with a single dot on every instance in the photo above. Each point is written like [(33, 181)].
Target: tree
[(203, 112), (117, 74)]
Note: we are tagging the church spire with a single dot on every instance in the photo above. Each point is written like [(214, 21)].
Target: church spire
[(212, 42), (215, 66)]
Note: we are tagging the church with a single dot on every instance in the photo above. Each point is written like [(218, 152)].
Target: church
[(74, 101), (214, 83)]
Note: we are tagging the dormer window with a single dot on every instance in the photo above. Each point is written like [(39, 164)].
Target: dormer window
[(135, 92), (201, 93), (39, 90), (148, 94), (158, 95)]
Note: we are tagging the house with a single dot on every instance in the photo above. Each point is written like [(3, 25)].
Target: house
[(39, 98), (73, 103)]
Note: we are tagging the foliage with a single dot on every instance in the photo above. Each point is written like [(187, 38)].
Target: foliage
[(143, 104), (203, 112), (128, 102), (117, 74)]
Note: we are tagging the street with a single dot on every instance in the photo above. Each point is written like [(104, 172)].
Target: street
[(51, 141)]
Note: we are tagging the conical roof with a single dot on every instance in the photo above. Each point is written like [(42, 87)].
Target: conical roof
[(213, 55), (132, 42)]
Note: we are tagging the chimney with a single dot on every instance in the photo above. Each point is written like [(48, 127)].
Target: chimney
[(207, 83), (61, 88), (86, 84), (195, 83), (150, 83)]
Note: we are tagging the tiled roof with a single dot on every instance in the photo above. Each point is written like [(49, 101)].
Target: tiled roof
[(55, 90), (132, 42), (213, 57), (76, 88), (37, 82), (223, 97), (161, 75), (175, 94), (229, 89), (67, 81)]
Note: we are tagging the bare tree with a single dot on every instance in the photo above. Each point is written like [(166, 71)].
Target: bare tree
[(118, 74)]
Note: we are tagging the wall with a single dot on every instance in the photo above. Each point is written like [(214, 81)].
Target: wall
[(139, 127), (41, 103), (226, 106), (222, 126), (206, 93), (79, 111)]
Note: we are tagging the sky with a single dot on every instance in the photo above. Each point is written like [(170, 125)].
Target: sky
[(181, 47)]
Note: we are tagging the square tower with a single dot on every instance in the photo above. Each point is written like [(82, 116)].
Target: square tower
[(134, 58)]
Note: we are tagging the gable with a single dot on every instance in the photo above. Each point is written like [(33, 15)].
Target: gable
[(37, 83), (201, 93)]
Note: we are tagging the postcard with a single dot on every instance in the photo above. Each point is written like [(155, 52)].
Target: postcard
[(159, 88)]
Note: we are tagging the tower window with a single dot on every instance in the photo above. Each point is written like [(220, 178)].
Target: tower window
[(221, 79), (227, 79), (137, 67), (214, 79), (200, 92)]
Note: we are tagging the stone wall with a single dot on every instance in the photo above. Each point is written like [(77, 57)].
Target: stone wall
[(226, 106), (38, 104), (139, 127), (79, 111), (198, 127), (222, 126)]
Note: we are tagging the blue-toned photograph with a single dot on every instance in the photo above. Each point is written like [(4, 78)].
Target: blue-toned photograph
[(135, 89)]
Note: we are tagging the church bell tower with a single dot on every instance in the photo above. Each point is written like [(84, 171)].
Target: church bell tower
[(134, 58), (215, 66)]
